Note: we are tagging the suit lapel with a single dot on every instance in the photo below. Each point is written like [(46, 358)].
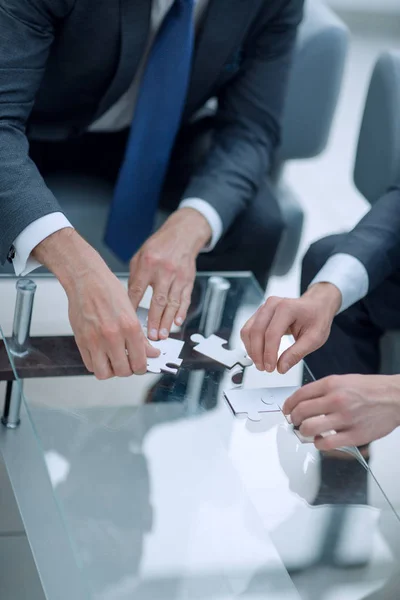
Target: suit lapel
[(223, 27), (135, 24)]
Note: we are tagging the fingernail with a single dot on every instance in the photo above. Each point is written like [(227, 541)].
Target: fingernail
[(268, 368), (179, 321), (164, 333), (289, 419), (154, 333), (259, 367)]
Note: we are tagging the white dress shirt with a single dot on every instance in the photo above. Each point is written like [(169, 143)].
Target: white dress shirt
[(348, 274), (118, 117)]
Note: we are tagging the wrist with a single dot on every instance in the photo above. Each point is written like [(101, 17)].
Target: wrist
[(197, 229), (68, 256), (326, 294)]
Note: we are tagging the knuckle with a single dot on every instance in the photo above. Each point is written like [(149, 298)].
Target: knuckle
[(136, 290), (169, 266), (160, 300), (174, 303), (123, 371), (140, 367), (102, 375), (128, 325), (110, 332), (150, 259), (332, 382), (272, 301), (340, 402)]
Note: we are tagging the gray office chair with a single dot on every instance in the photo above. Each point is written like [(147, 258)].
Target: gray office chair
[(313, 91), (377, 165)]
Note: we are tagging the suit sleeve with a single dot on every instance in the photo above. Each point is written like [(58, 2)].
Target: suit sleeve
[(26, 35), (375, 241), (247, 128)]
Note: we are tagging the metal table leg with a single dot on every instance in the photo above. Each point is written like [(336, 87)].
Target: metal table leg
[(19, 347)]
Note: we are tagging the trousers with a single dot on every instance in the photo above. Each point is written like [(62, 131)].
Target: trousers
[(354, 343)]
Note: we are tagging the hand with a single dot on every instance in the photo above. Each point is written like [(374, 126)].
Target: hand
[(167, 262), (107, 331), (308, 319), (360, 408)]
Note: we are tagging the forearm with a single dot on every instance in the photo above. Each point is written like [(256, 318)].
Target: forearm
[(66, 254), (375, 241)]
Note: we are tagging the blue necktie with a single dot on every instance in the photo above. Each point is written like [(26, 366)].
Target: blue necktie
[(158, 114)]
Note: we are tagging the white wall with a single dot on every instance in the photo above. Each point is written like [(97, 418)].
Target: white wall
[(382, 6)]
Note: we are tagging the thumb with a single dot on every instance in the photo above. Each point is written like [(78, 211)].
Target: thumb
[(151, 352), (300, 349)]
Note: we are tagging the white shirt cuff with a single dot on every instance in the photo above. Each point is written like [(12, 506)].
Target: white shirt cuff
[(348, 274), (209, 213), (31, 236)]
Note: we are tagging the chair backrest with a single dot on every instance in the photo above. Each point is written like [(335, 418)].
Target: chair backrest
[(315, 83), (377, 165)]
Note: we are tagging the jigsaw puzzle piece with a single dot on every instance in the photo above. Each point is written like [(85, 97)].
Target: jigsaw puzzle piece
[(168, 361), (212, 347), (250, 403), (278, 395)]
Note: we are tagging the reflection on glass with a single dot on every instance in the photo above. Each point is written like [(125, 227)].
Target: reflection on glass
[(166, 495)]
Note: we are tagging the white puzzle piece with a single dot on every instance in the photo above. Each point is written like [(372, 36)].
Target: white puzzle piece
[(255, 402), (249, 402), (212, 347), (168, 361)]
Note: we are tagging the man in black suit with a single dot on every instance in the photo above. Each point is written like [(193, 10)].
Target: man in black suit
[(351, 294), (94, 87)]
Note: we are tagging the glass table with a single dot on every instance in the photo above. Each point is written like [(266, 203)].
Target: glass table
[(149, 488)]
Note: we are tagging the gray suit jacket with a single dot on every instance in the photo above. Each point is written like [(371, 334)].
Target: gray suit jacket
[(63, 63)]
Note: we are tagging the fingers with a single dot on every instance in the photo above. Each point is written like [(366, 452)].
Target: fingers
[(159, 303), (173, 307), (118, 358), (151, 352), (101, 364), (316, 426), (136, 348), (138, 283), (245, 333), (312, 390), (309, 409), (186, 298), (332, 442), (305, 344), (277, 328), (253, 333), (86, 357)]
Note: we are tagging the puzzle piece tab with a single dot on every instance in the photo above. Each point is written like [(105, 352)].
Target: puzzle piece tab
[(212, 347), (168, 361), (255, 402)]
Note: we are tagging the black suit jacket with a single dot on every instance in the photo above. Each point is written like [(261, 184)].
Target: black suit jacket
[(375, 240), (63, 63)]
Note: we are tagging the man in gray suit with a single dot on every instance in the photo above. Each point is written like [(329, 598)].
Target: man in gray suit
[(96, 87)]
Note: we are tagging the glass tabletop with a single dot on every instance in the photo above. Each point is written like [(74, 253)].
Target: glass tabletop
[(164, 494)]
